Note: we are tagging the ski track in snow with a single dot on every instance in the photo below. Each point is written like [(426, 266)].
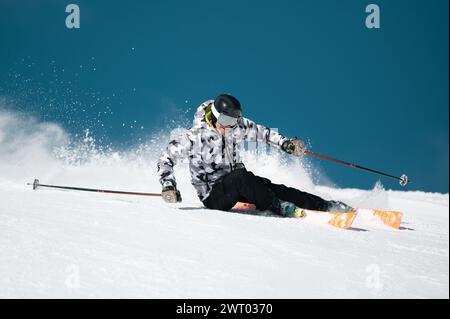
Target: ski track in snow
[(70, 244)]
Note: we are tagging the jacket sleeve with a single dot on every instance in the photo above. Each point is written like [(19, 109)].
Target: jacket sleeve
[(258, 133), (178, 149)]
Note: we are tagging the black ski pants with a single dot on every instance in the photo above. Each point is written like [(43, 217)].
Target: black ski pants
[(241, 185)]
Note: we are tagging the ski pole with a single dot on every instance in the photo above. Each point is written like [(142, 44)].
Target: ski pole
[(36, 184), (403, 179)]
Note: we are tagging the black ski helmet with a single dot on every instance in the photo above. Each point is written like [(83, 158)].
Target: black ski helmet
[(228, 105)]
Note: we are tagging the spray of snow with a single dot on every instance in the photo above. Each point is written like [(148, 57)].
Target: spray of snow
[(31, 149), (26, 146)]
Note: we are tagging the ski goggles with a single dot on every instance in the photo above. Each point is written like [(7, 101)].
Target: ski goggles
[(223, 119)]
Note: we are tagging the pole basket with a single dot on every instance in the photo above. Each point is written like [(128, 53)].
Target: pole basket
[(403, 180), (35, 184)]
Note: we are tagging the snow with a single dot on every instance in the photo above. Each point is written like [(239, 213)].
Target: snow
[(72, 244)]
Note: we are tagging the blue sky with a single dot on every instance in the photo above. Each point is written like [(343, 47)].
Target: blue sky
[(311, 68)]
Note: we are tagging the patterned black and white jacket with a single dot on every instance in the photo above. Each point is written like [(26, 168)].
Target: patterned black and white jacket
[(211, 155)]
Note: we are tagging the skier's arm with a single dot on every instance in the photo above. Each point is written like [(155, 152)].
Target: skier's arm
[(259, 133), (177, 150), (256, 132)]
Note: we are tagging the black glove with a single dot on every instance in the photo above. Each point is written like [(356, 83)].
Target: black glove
[(294, 147), (170, 194)]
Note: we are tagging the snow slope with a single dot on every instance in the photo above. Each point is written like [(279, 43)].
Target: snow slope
[(70, 244)]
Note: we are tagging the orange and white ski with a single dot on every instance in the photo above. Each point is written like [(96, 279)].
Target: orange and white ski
[(390, 218), (339, 220)]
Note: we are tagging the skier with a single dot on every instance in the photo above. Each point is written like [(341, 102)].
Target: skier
[(214, 145)]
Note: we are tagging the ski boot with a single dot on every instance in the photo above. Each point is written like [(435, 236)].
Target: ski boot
[(286, 209), (339, 207)]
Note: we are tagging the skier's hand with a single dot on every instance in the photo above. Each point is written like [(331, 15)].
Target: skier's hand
[(294, 147), (170, 194)]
